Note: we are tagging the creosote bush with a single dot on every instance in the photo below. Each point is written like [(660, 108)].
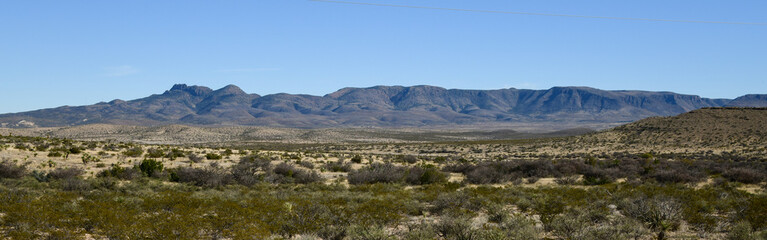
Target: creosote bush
[(195, 158), (288, 173), (377, 173), (134, 152), (390, 173), (744, 175), (207, 177), (116, 171), (9, 169), (338, 166), (65, 173), (151, 167)]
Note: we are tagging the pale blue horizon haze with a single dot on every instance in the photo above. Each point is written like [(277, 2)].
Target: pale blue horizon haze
[(55, 53)]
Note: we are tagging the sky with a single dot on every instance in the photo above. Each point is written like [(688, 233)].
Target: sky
[(55, 53)]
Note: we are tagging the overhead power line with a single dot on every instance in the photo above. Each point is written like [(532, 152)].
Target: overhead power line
[(541, 14)]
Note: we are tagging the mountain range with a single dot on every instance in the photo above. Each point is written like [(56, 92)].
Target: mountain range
[(379, 106)]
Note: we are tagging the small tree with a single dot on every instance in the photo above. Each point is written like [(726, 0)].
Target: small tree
[(134, 152), (212, 156), (150, 166)]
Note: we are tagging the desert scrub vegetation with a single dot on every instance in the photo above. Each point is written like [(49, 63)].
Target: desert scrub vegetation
[(390, 173), (599, 172), (248, 171), (280, 194), (148, 208)]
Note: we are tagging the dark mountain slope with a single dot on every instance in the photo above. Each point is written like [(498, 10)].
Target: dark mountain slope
[(379, 106), (750, 100)]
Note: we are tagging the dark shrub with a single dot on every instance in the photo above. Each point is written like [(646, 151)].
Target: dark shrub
[(75, 150), (338, 166), (357, 159), (122, 173), (290, 174), (54, 154), (174, 153), (195, 158), (491, 173), (425, 175), (676, 176), (87, 158), (65, 173), (40, 176), (377, 173), (410, 159), (536, 168), (306, 164), (459, 168), (212, 156), (596, 176), (154, 153), (150, 167), (532, 180), (251, 170), (208, 177), (11, 170), (744, 175), (568, 167), (134, 152)]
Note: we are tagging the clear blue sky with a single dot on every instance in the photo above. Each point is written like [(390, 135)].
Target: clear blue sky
[(55, 53)]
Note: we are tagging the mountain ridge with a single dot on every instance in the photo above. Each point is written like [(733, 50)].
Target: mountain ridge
[(377, 106)]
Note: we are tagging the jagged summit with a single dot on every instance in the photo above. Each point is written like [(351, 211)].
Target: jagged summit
[(194, 90), (378, 106)]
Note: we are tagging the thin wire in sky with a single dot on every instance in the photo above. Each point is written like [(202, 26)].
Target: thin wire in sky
[(542, 14)]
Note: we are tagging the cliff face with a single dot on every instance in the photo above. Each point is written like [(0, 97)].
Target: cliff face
[(379, 106)]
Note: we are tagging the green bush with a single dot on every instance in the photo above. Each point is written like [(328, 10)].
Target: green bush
[(154, 153), (338, 166), (150, 167), (595, 176), (357, 159), (134, 152), (87, 158), (207, 177), (287, 173), (116, 171), (741, 231), (54, 154), (377, 173), (425, 175)]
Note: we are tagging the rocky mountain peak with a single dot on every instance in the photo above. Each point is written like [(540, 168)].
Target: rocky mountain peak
[(230, 89), (193, 90)]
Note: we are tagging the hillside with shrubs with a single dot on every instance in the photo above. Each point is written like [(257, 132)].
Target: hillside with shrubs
[(550, 188)]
